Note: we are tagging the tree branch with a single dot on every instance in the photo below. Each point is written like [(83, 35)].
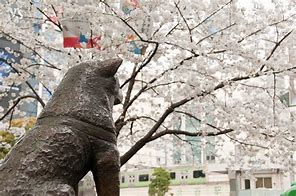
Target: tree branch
[(146, 138), (132, 119), (30, 48), (140, 143), (48, 18), (277, 44), (127, 24), (212, 14), (194, 117), (185, 21), (144, 64), (187, 133), (220, 30), (167, 84), (10, 119), (181, 47), (15, 103), (28, 84), (272, 24), (120, 120), (172, 29), (245, 143), (131, 81)]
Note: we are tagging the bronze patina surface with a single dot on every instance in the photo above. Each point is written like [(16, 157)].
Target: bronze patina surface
[(74, 134)]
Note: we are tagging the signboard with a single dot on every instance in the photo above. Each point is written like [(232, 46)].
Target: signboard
[(7, 91), (5, 69), (77, 33)]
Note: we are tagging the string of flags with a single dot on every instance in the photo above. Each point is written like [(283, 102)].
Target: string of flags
[(127, 6), (77, 32)]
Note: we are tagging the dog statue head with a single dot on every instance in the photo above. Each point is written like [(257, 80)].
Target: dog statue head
[(87, 92), (107, 69)]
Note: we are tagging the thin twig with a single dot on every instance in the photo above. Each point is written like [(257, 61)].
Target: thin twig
[(245, 143), (185, 21), (212, 14), (30, 48), (274, 49), (187, 133), (220, 30), (10, 119), (277, 45), (15, 103), (28, 84), (53, 22), (172, 29), (272, 24)]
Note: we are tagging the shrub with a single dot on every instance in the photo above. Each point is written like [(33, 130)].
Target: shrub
[(159, 183)]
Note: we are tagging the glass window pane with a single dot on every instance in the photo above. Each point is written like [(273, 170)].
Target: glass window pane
[(143, 177), (268, 183), (247, 184), (259, 183), (198, 174), (173, 175)]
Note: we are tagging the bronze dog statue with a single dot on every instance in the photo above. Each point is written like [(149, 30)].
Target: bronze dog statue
[(74, 134)]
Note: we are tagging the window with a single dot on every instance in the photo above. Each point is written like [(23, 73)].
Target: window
[(143, 177), (122, 179), (247, 184), (132, 178), (198, 174), (173, 175), (158, 160), (210, 158), (264, 182)]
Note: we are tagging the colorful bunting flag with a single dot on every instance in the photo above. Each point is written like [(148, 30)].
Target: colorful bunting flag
[(133, 46), (77, 34), (143, 27), (129, 5)]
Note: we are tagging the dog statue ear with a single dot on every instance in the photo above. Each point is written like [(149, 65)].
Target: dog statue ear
[(110, 67)]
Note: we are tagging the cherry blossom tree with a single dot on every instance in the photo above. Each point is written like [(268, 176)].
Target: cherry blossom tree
[(221, 63)]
